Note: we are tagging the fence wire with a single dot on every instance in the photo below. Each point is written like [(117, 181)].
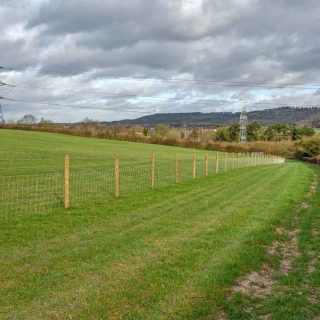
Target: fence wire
[(23, 194), (93, 180)]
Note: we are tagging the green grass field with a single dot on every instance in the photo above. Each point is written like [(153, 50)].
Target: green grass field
[(32, 169), (171, 253), (24, 152)]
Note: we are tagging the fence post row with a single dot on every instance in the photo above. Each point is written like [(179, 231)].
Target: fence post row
[(152, 170), (116, 176), (252, 159), (66, 181)]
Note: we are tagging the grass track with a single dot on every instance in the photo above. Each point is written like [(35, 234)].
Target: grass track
[(170, 254), (296, 295)]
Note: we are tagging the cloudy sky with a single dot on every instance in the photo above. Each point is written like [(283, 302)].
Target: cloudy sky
[(111, 59)]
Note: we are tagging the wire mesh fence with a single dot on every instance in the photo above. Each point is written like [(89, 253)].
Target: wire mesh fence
[(97, 180)]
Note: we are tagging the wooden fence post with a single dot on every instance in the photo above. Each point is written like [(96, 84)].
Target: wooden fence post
[(177, 168), (225, 161), (232, 161), (152, 170), (206, 165), (238, 160), (66, 181), (217, 163), (116, 176), (194, 166)]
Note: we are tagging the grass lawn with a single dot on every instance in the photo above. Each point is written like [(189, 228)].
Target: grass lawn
[(173, 253), (176, 252), (23, 152)]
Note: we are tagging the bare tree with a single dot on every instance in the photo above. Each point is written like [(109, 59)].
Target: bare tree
[(27, 119)]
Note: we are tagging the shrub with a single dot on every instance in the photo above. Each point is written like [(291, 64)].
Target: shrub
[(309, 146)]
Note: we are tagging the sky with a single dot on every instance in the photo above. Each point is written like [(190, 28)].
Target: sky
[(109, 60)]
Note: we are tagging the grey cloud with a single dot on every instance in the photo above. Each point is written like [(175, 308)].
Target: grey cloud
[(132, 20), (229, 40)]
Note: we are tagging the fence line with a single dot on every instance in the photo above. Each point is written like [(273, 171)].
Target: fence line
[(33, 193)]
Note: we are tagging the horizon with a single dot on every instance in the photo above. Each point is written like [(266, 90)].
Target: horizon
[(134, 121)]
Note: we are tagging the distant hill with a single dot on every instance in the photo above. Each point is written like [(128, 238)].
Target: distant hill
[(288, 115)]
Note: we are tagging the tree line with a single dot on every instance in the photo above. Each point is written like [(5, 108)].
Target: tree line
[(257, 132), (279, 139)]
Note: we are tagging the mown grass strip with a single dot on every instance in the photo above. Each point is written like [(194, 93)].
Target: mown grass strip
[(296, 294), (169, 254)]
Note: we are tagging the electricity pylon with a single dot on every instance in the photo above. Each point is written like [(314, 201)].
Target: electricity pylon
[(2, 122), (243, 125)]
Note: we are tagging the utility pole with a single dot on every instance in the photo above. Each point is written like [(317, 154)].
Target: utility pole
[(243, 125)]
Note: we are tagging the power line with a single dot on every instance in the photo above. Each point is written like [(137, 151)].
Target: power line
[(95, 108), (265, 85), (121, 95), (74, 106)]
